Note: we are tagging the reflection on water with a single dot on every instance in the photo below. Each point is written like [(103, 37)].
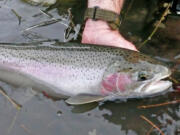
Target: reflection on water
[(42, 116)]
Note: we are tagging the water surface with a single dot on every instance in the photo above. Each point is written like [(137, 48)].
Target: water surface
[(42, 116)]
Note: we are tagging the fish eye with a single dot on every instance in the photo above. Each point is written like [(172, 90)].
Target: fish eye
[(142, 76)]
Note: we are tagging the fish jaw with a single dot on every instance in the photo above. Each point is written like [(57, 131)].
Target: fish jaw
[(157, 87)]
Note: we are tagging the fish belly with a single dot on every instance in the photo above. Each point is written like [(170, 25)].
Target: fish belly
[(55, 70)]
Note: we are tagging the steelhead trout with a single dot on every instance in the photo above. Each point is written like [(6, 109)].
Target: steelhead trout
[(82, 73)]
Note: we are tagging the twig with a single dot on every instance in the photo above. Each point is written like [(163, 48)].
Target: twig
[(149, 132), (26, 129), (158, 105), (27, 43), (42, 24), (13, 122), (152, 124), (157, 26), (17, 15), (45, 13), (173, 80), (17, 106), (128, 8)]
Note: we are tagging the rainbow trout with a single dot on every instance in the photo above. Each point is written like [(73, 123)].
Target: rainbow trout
[(82, 73)]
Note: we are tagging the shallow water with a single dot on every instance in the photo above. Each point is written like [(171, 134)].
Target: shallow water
[(42, 116)]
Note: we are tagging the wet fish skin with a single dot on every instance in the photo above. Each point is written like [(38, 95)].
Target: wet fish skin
[(66, 69)]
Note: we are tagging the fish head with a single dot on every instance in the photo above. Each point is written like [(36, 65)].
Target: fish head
[(135, 78)]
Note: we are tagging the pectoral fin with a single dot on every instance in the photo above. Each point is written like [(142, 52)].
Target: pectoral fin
[(84, 99)]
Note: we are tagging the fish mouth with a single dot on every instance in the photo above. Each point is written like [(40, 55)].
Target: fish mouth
[(157, 85)]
